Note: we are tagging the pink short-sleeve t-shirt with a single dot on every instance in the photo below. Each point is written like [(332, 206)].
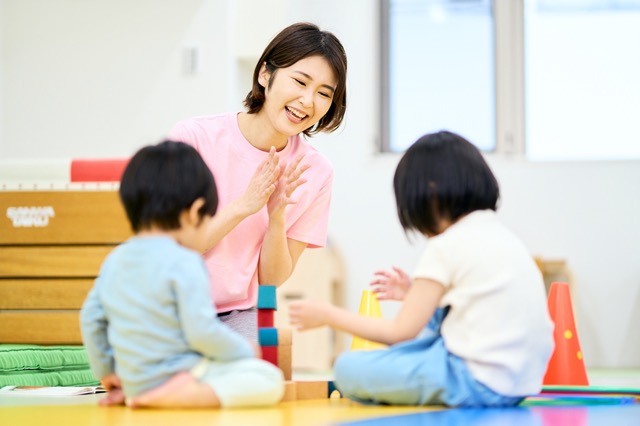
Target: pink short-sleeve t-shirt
[(233, 263)]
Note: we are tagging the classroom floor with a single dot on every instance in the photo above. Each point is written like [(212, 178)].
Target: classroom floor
[(83, 411)]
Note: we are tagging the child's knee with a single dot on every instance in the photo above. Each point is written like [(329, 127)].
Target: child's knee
[(253, 383), (272, 376)]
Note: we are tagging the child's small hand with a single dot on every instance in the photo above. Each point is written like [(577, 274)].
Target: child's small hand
[(305, 314), (115, 395), (391, 285), (288, 181)]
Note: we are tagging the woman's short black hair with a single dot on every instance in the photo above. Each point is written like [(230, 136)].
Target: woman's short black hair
[(295, 42), (161, 181), (442, 176)]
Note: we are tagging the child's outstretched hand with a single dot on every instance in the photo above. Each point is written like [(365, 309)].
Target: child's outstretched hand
[(262, 184), (306, 314), (288, 181), (115, 395), (391, 285)]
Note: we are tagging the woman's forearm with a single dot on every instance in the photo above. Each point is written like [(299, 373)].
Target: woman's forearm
[(276, 260)]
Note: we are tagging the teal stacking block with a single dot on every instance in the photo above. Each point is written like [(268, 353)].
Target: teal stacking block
[(267, 297), (268, 336)]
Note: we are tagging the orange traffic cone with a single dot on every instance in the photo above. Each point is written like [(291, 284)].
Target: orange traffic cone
[(566, 366), (369, 307)]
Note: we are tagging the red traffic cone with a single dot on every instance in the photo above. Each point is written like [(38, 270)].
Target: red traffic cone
[(566, 366)]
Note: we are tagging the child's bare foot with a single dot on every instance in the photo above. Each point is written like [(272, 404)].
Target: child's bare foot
[(181, 391), (114, 397)]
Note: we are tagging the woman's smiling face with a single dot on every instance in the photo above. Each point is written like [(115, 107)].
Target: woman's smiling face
[(297, 97)]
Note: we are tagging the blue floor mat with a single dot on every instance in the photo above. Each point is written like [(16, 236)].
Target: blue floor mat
[(592, 415)]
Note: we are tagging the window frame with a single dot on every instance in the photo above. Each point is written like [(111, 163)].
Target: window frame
[(509, 84)]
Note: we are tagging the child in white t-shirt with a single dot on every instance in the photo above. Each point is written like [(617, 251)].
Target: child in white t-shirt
[(488, 335)]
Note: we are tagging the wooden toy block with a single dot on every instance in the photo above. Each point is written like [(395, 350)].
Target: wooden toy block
[(312, 390), (284, 353), (284, 361), (270, 354), (275, 336), (268, 336), (267, 297), (266, 318), (285, 337), (301, 390), (289, 391), (279, 355)]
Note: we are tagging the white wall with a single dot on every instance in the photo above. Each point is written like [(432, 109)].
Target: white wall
[(105, 84), (100, 78), (2, 25)]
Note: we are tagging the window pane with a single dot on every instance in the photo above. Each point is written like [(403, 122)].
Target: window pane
[(582, 79), (441, 71)]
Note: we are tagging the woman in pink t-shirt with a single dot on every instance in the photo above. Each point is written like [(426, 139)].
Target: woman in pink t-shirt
[(274, 187)]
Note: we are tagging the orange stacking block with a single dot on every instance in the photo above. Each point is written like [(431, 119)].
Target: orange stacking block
[(566, 366), (369, 307)]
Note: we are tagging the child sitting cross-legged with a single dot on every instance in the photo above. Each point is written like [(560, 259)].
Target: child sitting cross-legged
[(148, 324), (473, 329)]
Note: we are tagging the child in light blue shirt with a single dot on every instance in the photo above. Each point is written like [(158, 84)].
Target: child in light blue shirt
[(149, 325)]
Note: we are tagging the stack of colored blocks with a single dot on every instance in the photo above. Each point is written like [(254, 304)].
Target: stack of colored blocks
[(275, 344)]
